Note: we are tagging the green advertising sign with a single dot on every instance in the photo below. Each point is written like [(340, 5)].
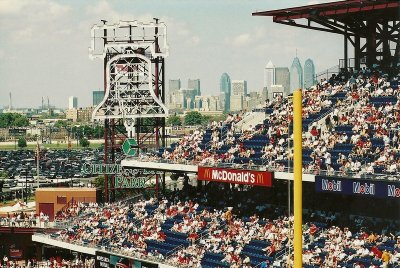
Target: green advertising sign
[(129, 182), (129, 147), (124, 178)]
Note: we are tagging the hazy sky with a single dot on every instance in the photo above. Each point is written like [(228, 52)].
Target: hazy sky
[(44, 44)]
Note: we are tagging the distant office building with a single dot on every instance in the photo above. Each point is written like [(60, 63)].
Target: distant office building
[(309, 73), (296, 75), (80, 114), (173, 86), (183, 99), (72, 114), (225, 89), (238, 94), (253, 100), (207, 104), (239, 87), (98, 96), (269, 75), (72, 102), (276, 91), (282, 77), (198, 102), (264, 94), (194, 84)]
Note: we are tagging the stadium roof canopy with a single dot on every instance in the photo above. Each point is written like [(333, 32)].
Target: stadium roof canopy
[(376, 22)]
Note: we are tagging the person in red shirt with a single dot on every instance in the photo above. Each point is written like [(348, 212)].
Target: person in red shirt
[(270, 250), (312, 231), (193, 237), (161, 236), (314, 132), (376, 252)]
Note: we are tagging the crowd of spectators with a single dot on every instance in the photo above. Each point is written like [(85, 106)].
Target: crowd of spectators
[(228, 233), (188, 148), (74, 209), (20, 219), (350, 126), (52, 262)]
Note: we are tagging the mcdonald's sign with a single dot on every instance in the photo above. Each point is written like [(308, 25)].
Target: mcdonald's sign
[(237, 176)]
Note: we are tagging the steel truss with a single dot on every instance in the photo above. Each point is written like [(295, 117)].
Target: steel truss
[(371, 27), (134, 85)]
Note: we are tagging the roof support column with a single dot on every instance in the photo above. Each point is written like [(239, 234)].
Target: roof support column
[(371, 42), (357, 52), (346, 56), (386, 56)]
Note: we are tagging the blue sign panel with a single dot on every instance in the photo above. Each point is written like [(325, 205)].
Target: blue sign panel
[(358, 187)]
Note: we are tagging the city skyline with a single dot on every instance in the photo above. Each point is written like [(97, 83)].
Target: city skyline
[(56, 53)]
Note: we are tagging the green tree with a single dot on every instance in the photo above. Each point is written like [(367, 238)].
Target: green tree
[(61, 123), (98, 131), (13, 120), (174, 120), (22, 143), (206, 119), (84, 142), (20, 121), (147, 125), (87, 131), (193, 118), (220, 117)]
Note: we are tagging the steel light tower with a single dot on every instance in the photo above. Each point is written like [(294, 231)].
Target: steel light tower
[(134, 86)]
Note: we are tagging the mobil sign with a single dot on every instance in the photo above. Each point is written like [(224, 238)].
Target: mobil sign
[(350, 186), (237, 176), (393, 190)]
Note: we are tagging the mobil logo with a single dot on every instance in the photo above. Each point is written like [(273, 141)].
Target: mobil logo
[(331, 185), (393, 191), (363, 188)]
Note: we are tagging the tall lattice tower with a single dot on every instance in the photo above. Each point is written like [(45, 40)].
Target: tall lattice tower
[(134, 86)]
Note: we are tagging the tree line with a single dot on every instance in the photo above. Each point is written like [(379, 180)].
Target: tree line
[(13, 120), (193, 118)]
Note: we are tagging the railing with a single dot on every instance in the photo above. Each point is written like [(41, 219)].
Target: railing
[(246, 119), (62, 224), (286, 250), (327, 73), (21, 223), (266, 166), (202, 234), (138, 222), (137, 255)]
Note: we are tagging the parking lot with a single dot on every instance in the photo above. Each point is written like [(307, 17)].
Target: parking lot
[(56, 168)]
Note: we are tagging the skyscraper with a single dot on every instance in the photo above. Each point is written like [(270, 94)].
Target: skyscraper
[(309, 73), (72, 102), (238, 94), (296, 75), (174, 85), (282, 77), (173, 88), (225, 89), (269, 75), (98, 96), (194, 84)]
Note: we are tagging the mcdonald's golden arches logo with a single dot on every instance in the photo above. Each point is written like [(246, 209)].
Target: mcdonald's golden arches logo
[(260, 178), (207, 173)]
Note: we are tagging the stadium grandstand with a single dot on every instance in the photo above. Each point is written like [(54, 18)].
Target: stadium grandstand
[(350, 133), (237, 208)]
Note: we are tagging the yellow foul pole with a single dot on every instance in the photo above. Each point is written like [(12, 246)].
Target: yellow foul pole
[(298, 192)]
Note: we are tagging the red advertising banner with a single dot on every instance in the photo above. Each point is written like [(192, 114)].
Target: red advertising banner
[(237, 176), (15, 253)]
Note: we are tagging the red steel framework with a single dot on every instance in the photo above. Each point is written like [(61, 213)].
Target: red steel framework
[(372, 27)]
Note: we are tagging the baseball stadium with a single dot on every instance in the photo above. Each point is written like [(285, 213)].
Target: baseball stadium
[(309, 179)]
